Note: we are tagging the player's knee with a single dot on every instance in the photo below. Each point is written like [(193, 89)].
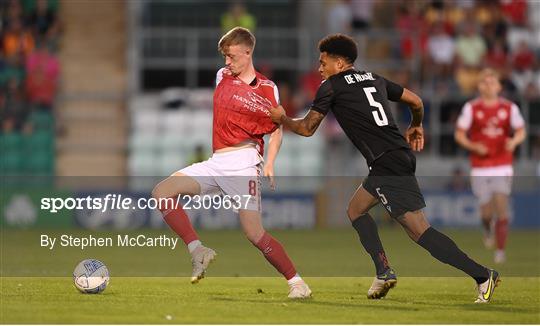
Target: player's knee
[(353, 212), (254, 235), (156, 194)]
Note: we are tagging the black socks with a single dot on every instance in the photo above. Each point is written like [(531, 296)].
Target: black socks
[(444, 249), (369, 237)]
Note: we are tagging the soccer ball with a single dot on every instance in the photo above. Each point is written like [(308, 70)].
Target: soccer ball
[(91, 276)]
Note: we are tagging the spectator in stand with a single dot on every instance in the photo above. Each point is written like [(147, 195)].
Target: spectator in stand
[(523, 58), (339, 19), (17, 40), (362, 12), (237, 16), (523, 62), (441, 49), (14, 11), (470, 47), (470, 53), (413, 31), (42, 69), (497, 57), (43, 21), (15, 102), (515, 11), (12, 69)]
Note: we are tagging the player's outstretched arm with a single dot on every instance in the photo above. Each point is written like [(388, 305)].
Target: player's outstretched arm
[(274, 144), (305, 126), (415, 132)]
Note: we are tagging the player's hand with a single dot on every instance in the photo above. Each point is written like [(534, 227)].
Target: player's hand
[(415, 138), (276, 114), (479, 149), (268, 171), (510, 145)]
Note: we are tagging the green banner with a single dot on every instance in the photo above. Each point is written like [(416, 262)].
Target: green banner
[(21, 208)]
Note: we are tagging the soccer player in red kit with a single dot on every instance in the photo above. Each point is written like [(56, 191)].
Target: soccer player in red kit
[(241, 118), (491, 127)]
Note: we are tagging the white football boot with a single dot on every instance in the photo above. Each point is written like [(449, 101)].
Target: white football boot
[(299, 290), (486, 289), (200, 259), (382, 284)]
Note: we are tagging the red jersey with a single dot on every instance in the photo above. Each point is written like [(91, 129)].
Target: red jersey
[(241, 111), (491, 126)]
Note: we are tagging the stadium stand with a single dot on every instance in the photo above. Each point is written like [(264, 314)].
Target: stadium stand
[(29, 68)]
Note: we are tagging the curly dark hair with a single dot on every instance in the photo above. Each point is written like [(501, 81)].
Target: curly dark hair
[(339, 45)]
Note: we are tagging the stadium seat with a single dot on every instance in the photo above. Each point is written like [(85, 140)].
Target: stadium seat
[(10, 142), (11, 162), (171, 162), (147, 141), (146, 121), (143, 164), (41, 120)]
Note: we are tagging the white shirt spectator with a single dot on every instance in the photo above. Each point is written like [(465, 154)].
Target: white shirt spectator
[(339, 18), (362, 9), (441, 48)]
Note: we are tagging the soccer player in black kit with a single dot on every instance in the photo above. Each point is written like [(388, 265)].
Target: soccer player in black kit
[(359, 101)]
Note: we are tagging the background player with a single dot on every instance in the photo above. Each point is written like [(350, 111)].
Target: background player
[(241, 118), (485, 128), (359, 101)]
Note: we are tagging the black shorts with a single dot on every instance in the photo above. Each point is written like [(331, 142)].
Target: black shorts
[(391, 179)]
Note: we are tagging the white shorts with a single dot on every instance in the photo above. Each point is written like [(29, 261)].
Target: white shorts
[(485, 182), (236, 173)]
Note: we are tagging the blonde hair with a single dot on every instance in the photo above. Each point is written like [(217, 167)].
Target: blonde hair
[(488, 72), (237, 35)]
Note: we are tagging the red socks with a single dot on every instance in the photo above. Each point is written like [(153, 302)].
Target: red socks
[(275, 254), (178, 220), (501, 232)]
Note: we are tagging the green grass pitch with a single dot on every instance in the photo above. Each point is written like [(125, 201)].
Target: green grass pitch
[(150, 285)]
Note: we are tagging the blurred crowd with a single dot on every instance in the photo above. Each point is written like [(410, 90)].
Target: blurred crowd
[(454, 39), (29, 66)]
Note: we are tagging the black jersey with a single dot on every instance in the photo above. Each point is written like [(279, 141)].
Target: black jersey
[(359, 101)]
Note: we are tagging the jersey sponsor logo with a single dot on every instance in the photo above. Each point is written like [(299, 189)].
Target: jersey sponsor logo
[(355, 78), (492, 128), (254, 103)]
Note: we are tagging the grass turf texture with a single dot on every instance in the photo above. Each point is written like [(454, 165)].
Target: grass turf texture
[(256, 300), (332, 261)]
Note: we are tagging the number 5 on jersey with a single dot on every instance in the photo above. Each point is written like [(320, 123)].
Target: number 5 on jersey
[(379, 115)]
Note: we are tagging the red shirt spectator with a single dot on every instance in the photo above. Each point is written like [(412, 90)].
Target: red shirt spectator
[(497, 57), (42, 69), (515, 10), (523, 58), (17, 40)]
